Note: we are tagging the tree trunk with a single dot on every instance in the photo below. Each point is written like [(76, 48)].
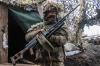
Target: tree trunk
[(80, 19), (3, 22)]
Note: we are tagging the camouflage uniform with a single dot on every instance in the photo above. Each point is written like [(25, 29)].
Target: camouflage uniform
[(53, 57)]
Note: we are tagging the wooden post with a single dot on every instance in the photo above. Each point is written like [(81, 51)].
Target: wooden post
[(3, 22)]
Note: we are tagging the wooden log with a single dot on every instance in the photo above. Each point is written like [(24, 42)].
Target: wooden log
[(3, 22)]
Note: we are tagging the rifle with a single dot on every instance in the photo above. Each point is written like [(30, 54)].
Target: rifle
[(33, 43)]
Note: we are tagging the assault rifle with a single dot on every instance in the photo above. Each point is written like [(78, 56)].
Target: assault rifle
[(33, 43)]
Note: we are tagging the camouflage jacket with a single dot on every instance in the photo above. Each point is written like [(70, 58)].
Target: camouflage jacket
[(57, 40), (61, 32)]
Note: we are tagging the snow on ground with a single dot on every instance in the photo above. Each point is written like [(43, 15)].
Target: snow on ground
[(92, 30)]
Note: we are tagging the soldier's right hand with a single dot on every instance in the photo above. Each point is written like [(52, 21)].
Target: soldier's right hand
[(39, 30), (32, 34)]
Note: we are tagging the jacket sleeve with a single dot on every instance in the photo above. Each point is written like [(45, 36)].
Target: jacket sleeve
[(59, 37), (29, 35), (58, 40), (32, 31)]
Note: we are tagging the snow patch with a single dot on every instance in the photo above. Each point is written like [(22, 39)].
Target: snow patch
[(91, 30)]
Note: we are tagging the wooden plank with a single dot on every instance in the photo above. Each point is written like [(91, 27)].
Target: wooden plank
[(3, 22)]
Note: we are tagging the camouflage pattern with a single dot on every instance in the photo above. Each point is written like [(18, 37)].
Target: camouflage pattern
[(51, 52), (57, 40), (50, 5), (23, 2)]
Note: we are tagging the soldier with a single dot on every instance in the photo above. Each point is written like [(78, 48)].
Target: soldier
[(51, 52)]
